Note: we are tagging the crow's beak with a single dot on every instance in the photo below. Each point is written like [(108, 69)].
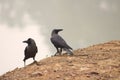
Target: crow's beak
[(25, 41), (60, 29)]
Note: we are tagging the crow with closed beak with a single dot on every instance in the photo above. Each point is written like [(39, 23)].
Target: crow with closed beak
[(60, 43), (30, 50)]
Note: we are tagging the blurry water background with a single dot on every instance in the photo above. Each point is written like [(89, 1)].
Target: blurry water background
[(85, 22)]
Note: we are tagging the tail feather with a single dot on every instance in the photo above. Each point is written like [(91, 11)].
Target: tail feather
[(68, 51)]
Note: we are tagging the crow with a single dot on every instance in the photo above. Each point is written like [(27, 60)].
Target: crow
[(59, 42), (30, 50)]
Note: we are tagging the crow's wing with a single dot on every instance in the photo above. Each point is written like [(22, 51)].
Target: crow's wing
[(26, 52), (58, 41), (30, 51), (36, 49)]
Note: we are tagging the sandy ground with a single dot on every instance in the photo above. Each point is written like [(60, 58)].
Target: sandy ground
[(97, 62)]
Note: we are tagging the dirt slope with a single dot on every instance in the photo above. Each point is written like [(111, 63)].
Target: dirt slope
[(97, 62)]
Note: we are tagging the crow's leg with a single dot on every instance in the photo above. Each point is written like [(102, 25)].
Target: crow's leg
[(57, 51), (24, 63), (34, 59), (60, 51)]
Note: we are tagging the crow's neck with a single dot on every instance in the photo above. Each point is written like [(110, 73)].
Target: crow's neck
[(32, 44)]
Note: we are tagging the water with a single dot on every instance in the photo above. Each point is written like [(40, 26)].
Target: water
[(85, 22)]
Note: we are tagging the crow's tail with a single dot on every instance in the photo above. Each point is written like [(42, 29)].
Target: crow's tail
[(68, 51)]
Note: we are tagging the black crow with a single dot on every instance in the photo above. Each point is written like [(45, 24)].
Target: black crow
[(30, 50), (59, 42)]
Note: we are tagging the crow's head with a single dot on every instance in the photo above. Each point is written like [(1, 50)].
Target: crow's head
[(29, 41), (55, 31)]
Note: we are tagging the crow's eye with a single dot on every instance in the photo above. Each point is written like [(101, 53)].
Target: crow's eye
[(29, 39)]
